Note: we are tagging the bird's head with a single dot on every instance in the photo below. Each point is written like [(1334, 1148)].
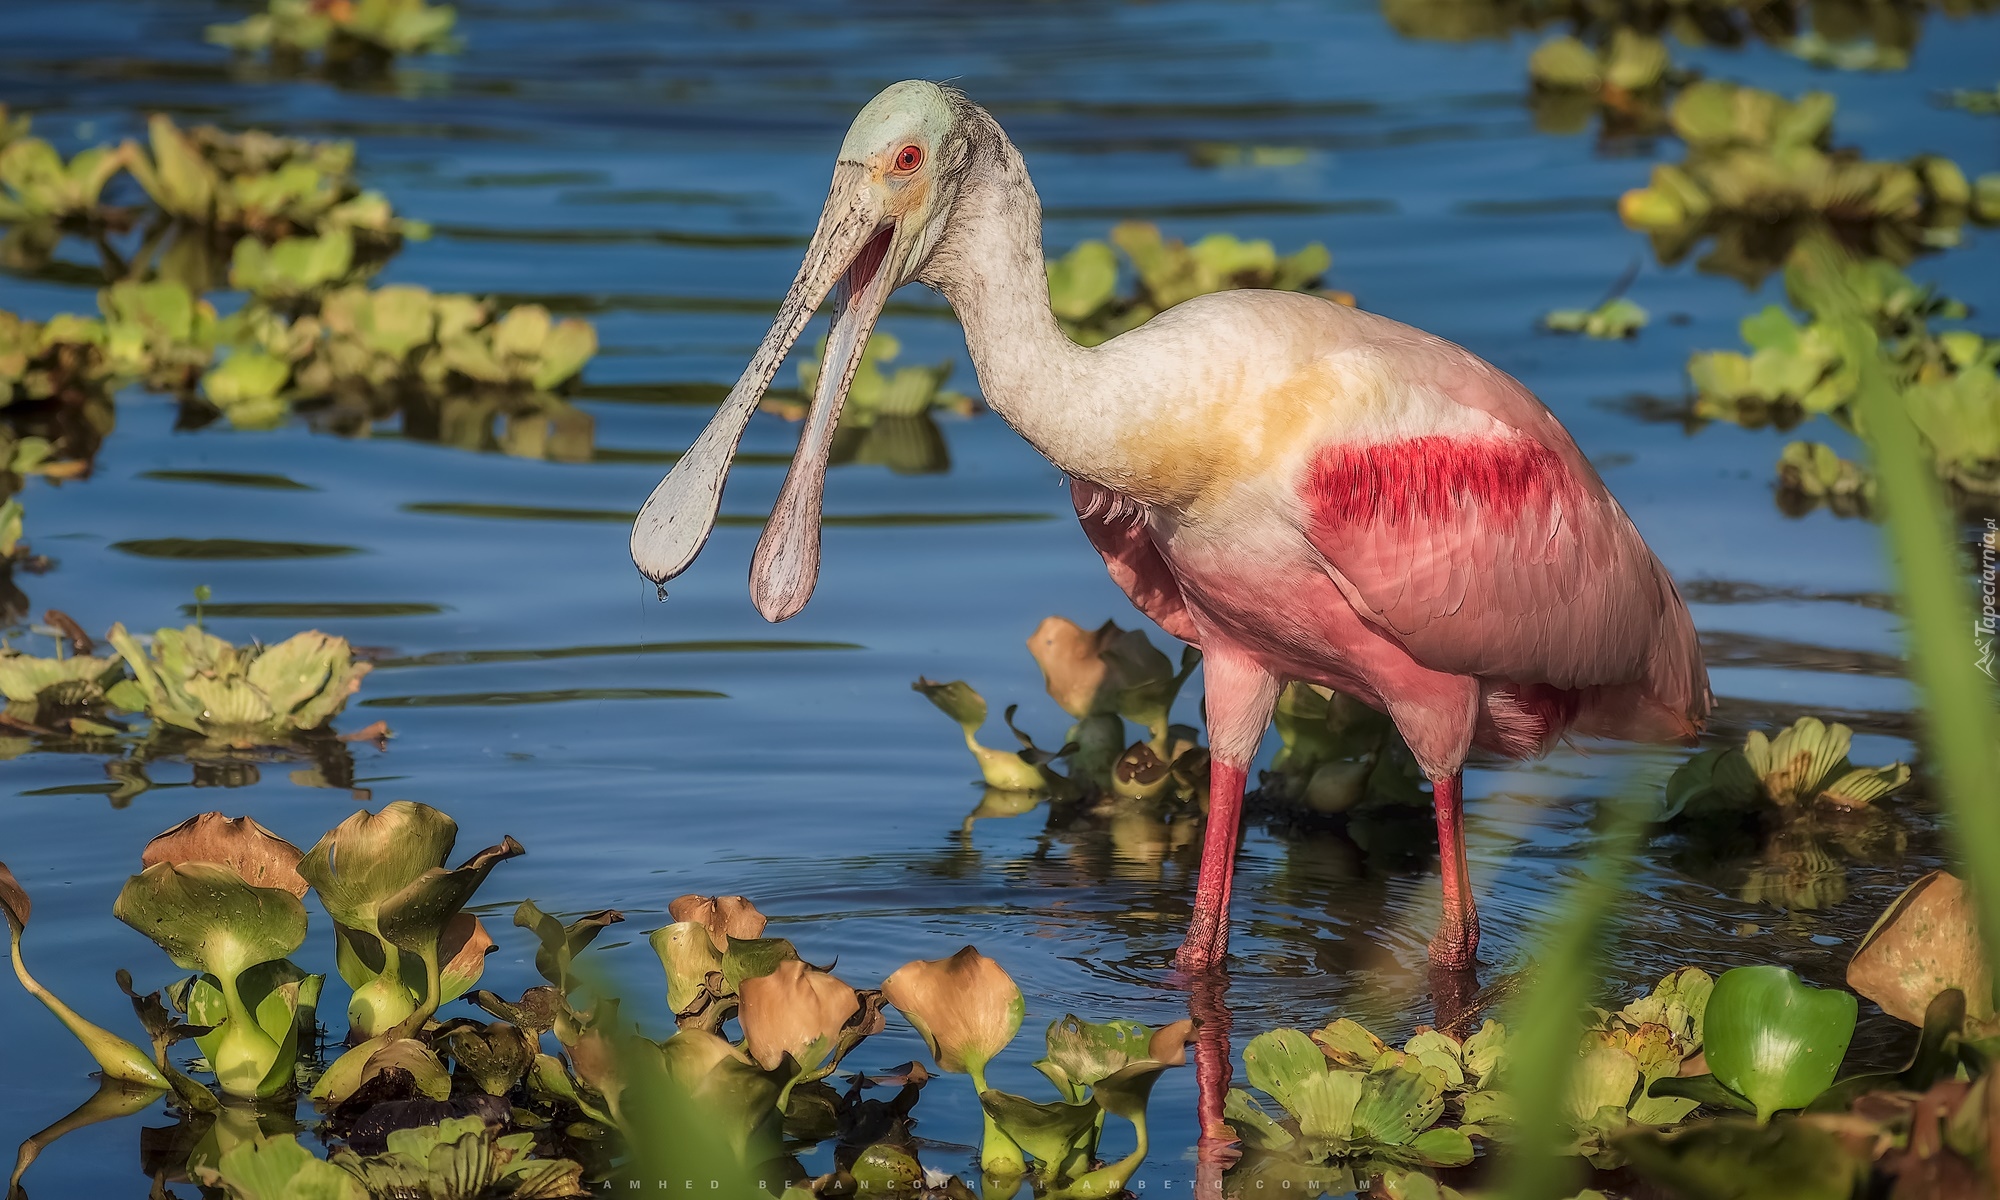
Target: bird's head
[(894, 185)]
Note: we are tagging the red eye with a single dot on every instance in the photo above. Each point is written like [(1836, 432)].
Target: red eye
[(909, 158)]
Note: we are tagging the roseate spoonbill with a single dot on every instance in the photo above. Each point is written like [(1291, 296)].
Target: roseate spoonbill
[(1301, 489)]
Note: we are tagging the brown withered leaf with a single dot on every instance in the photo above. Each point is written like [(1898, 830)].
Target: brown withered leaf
[(1926, 941), (1073, 668), (724, 917), (797, 1010), (261, 857), (14, 900), (966, 1007)]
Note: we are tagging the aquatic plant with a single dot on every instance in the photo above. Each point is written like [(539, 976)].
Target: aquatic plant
[(1759, 173), (343, 30), (1924, 944), (966, 1008), (258, 183), (1339, 1108), (1097, 1068), (467, 1157), (1813, 473), (1948, 382), (1804, 764), (1615, 318), (1083, 283), (223, 898), (37, 185), (191, 680), (62, 359), (1985, 103), (402, 939), (1337, 755), (1626, 77), (1009, 772), (116, 1057), (907, 392)]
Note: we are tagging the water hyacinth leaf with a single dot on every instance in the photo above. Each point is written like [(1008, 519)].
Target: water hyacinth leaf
[(116, 1057), (279, 1168), (371, 856), (1288, 1067), (717, 1076), (966, 1007), (1061, 1136), (724, 917), (751, 958), (416, 916), (560, 943), (1775, 1039), (207, 918), (883, 1168), (1734, 1160), (258, 856), (1925, 943), (1073, 666), (1083, 1052), (494, 1055), (957, 700), (794, 1010), (1083, 280), (689, 957)]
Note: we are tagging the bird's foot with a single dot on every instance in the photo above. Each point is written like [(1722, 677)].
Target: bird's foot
[(1456, 946), (1206, 947)]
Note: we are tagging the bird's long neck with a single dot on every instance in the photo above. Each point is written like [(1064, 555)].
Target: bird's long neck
[(990, 267)]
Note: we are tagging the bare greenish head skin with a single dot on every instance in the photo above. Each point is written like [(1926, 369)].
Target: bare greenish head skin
[(913, 112), (894, 183)]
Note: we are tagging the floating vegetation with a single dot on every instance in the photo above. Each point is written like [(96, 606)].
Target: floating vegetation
[(1627, 78), (886, 420), (258, 183), (1986, 103), (1811, 474), (1805, 764), (343, 30), (38, 186), (1103, 678), (399, 339), (1613, 319), (1947, 381), (1337, 755), (238, 696), (1083, 284), (1759, 175)]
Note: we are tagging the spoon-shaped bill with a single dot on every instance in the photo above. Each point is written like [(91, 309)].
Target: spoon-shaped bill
[(678, 517), (786, 565)]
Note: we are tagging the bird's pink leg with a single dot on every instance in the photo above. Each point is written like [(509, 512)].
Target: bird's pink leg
[(1456, 945), (1208, 932), (1238, 696)]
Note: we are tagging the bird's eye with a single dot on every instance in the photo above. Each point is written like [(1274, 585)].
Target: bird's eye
[(909, 158)]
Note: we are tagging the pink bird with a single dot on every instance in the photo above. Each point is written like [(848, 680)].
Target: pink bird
[(1303, 490)]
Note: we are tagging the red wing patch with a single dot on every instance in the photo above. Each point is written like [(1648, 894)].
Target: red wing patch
[(1433, 479)]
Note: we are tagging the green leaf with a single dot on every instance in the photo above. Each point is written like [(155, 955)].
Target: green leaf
[(1061, 1136), (1286, 1065), (279, 1168), (1775, 1039)]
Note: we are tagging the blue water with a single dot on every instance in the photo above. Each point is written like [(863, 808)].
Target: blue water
[(656, 167)]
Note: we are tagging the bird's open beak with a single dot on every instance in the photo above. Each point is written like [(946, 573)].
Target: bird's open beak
[(849, 256)]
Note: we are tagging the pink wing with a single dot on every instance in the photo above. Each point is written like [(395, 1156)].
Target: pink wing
[(1504, 557), (1132, 559)]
